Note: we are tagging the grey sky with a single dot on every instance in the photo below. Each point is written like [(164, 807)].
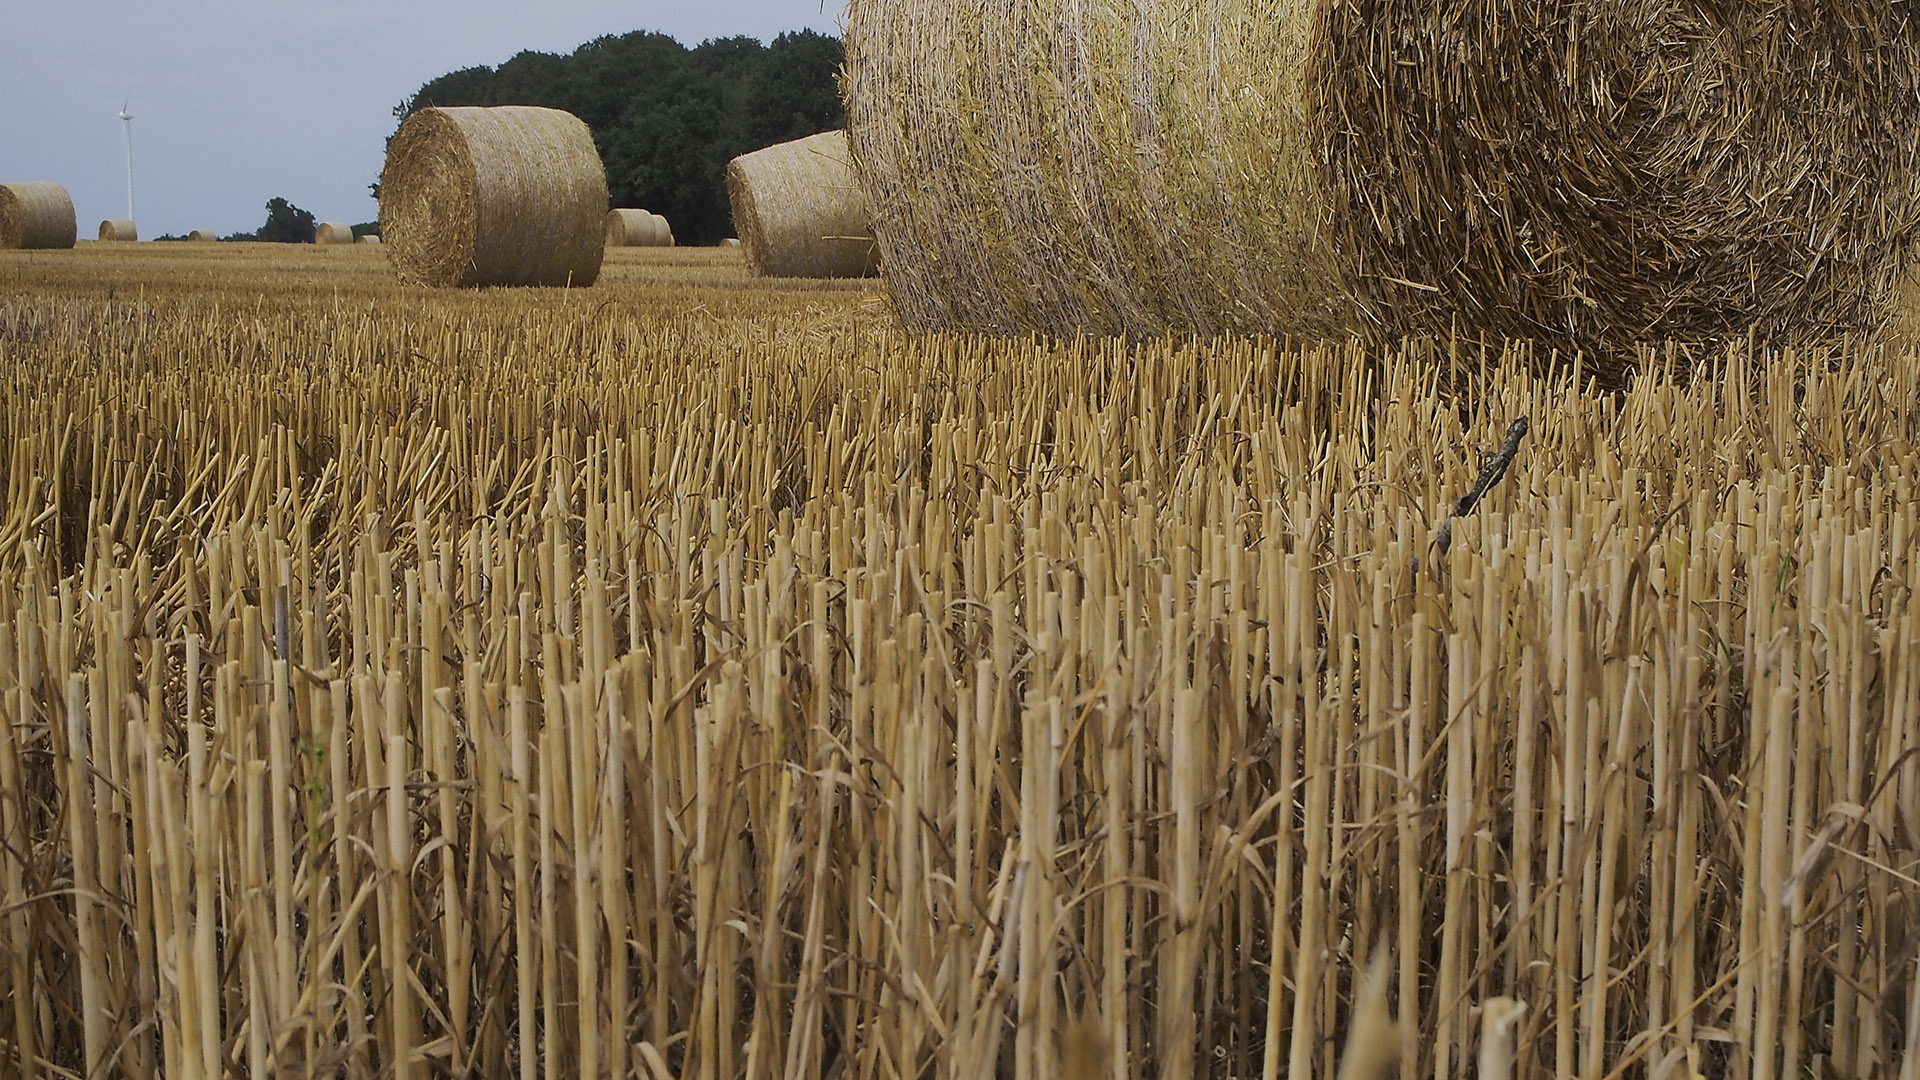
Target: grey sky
[(237, 101)]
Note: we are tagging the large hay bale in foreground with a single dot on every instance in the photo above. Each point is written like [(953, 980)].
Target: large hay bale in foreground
[(1586, 173), (511, 195), (118, 229), (637, 228), (36, 214), (333, 232), (799, 211), (202, 236)]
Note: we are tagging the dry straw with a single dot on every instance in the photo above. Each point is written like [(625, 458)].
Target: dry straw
[(799, 210), (118, 229), (370, 238), (203, 236), (1592, 174), (512, 195), (532, 688), (36, 214), (333, 232), (637, 228)]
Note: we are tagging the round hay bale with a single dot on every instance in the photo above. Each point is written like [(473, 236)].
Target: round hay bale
[(118, 229), (202, 236), (36, 214), (1588, 173), (799, 211), (730, 242), (637, 228), (333, 232), (511, 195), (370, 238)]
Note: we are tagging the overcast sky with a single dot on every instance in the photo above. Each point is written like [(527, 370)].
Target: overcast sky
[(237, 101)]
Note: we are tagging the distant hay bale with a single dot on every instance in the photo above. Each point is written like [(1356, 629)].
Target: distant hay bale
[(799, 211), (333, 232), (637, 228), (370, 238), (730, 242), (118, 229), (202, 236), (36, 214), (1586, 173), (511, 195)]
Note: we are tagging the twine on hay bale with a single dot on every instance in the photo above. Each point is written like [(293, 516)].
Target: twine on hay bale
[(36, 214), (510, 195), (637, 228), (1588, 174), (202, 236), (333, 232), (799, 210), (118, 229)]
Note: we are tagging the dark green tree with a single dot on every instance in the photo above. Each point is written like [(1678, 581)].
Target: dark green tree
[(795, 92), (286, 224)]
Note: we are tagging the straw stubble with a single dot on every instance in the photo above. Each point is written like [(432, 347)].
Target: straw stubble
[(525, 689)]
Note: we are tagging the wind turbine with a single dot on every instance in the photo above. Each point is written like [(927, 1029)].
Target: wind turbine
[(126, 118)]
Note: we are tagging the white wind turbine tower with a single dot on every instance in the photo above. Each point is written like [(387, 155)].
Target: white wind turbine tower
[(126, 118)]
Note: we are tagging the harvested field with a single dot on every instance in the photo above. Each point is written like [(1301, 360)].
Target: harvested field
[(699, 676)]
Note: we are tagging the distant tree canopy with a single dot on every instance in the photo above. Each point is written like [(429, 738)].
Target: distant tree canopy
[(668, 118), (286, 224)]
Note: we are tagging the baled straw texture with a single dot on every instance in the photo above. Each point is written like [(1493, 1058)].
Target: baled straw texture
[(1590, 174), (333, 232), (202, 236), (36, 214), (799, 211), (118, 229), (637, 228), (511, 195)]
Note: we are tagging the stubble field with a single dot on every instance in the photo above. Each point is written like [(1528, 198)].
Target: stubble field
[(695, 676)]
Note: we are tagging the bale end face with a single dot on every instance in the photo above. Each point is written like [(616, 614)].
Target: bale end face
[(511, 195), (36, 214)]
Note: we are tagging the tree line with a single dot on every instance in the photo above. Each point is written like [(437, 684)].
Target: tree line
[(667, 118)]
